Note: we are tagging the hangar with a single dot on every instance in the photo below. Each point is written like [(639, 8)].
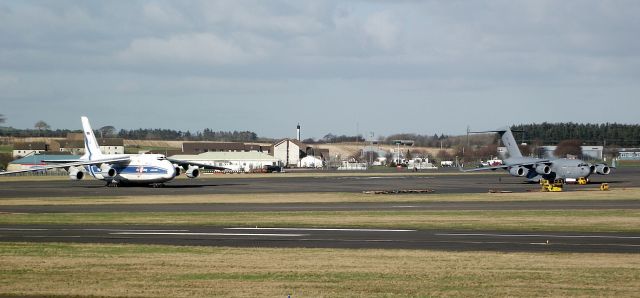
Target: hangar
[(235, 161)]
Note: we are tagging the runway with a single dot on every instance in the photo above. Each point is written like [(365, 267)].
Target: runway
[(451, 182), (288, 207), (329, 238)]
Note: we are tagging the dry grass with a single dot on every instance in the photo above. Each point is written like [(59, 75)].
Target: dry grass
[(533, 220), (166, 271), (270, 198)]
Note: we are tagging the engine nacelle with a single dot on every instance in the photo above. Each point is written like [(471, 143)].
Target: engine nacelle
[(518, 171), (193, 172), (178, 170), (602, 169), (543, 169), (108, 171), (75, 174)]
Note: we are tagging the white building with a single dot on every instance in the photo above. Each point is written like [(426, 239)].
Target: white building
[(235, 161), (288, 151), (311, 162), (595, 152), (27, 149)]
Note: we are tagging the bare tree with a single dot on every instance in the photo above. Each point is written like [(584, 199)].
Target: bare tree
[(41, 125), (568, 147), (107, 131)]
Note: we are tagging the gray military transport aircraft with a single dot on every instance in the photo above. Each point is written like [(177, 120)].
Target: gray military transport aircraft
[(535, 169)]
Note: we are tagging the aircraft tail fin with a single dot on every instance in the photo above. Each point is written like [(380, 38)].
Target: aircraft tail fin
[(508, 140), (91, 147)]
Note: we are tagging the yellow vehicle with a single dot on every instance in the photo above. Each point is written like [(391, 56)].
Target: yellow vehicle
[(582, 181), (547, 186)]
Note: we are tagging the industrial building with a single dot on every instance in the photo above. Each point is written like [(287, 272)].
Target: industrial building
[(289, 152), (35, 160), (202, 147), (588, 152), (235, 161)]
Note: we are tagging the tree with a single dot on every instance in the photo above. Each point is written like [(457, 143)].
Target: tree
[(568, 147), (108, 131), (41, 125)]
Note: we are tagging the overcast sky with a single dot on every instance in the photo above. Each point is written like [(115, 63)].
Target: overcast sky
[(334, 66)]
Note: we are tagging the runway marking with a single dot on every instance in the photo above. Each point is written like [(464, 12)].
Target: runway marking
[(320, 229), (19, 229), (538, 235), (407, 206), (127, 230), (105, 230), (209, 234)]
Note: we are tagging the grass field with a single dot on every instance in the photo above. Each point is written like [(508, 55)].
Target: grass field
[(56, 269), (585, 193), (168, 271), (571, 220)]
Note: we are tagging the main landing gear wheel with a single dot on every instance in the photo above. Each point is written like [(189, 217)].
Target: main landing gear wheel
[(112, 183)]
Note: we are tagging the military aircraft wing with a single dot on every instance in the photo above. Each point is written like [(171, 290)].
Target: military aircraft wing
[(72, 164), (525, 164), (484, 168)]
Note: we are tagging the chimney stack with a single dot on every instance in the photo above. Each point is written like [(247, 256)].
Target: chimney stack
[(298, 133)]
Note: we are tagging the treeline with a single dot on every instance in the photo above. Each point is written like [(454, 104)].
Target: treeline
[(623, 135), (442, 140), (205, 135), (142, 134), (331, 138), (29, 133)]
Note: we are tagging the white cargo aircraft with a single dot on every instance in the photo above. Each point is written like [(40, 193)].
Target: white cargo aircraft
[(127, 169)]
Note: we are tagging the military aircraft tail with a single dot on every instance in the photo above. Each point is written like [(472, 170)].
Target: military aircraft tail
[(508, 140)]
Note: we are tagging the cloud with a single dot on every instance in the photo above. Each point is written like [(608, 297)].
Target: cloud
[(192, 48), (382, 30)]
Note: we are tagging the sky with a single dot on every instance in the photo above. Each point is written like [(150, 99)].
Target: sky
[(341, 67)]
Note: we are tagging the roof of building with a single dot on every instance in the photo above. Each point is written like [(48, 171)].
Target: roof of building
[(298, 143), (196, 147), (227, 156), (30, 146), (38, 158), (101, 142)]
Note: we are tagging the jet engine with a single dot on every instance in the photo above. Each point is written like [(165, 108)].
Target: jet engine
[(193, 172), (518, 171), (602, 169), (543, 169), (108, 171), (75, 174), (178, 170)]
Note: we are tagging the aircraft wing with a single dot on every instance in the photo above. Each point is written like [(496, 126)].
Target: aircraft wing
[(485, 168), (71, 164), (186, 164), (505, 166)]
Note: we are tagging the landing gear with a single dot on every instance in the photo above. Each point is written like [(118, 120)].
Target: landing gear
[(157, 185), (112, 183)]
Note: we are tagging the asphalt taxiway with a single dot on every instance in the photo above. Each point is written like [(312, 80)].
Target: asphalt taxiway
[(449, 182), (347, 206)]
